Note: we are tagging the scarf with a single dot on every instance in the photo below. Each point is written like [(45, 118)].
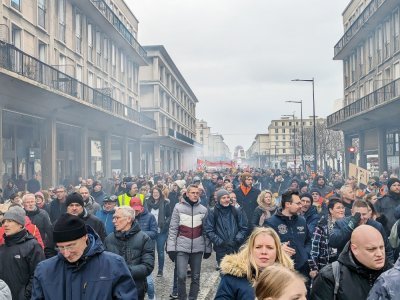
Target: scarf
[(152, 204), (245, 189), (266, 214)]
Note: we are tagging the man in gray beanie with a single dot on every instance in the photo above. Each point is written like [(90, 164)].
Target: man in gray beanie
[(19, 254), (225, 226)]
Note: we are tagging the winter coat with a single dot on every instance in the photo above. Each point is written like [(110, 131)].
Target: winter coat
[(98, 197), (19, 257), (173, 199), (137, 249), (342, 233), (186, 232), (355, 279), (234, 283), (312, 217), (387, 286), (31, 228), (56, 210), (98, 274), (321, 252), (106, 217), (147, 223), (8, 191), (248, 203), (5, 293), (92, 206), (41, 219), (293, 230), (95, 223), (258, 213), (223, 225), (323, 189), (386, 206), (162, 228)]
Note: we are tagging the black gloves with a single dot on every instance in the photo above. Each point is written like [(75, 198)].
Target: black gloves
[(354, 221), (206, 255), (172, 255)]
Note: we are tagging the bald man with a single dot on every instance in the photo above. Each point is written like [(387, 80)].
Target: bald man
[(361, 262)]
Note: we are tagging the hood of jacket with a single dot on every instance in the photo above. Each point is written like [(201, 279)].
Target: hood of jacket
[(282, 216), (235, 265), (126, 235)]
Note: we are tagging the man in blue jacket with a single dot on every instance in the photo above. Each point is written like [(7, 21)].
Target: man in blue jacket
[(82, 269), (292, 230)]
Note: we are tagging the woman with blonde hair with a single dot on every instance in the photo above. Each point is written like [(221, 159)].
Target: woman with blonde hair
[(266, 208), (241, 270), (280, 283)]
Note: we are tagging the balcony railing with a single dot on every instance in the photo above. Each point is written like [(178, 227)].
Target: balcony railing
[(14, 60), (107, 12), (180, 136), (366, 103), (371, 8)]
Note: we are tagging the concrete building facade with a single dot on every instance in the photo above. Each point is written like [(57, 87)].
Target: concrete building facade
[(370, 51), (258, 155), (214, 148), (69, 102)]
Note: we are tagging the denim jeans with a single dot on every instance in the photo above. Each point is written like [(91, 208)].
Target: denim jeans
[(194, 260), (150, 286), (161, 238)]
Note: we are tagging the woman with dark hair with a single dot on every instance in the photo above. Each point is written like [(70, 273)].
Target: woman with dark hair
[(160, 208), (174, 195), (321, 253)]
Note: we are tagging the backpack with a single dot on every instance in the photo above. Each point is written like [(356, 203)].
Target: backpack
[(336, 276)]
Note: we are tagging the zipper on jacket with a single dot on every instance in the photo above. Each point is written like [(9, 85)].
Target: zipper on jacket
[(191, 249)]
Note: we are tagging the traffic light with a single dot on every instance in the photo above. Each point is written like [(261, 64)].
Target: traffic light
[(352, 150)]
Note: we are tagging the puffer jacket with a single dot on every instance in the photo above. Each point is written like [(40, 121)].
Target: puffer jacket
[(226, 226), (92, 206), (137, 249), (106, 217), (355, 280), (19, 257), (186, 232), (234, 283), (387, 285), (147, 223), (5, 293), (98, 274)]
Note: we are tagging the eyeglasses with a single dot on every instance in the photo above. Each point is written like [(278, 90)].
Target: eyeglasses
[(194, 193), (69, 248), (118, 217)]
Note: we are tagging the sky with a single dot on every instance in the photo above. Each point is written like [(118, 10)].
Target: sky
[(239, 57)]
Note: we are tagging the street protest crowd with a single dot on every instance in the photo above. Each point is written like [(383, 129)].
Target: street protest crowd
[(277, 234)]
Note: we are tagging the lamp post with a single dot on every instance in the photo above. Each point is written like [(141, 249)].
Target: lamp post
[(314, 128), (302, 131), (294, 138)]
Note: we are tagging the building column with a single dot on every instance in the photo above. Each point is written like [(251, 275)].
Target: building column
[(363, 157), (157, 157), (49, 154), (124, 156), (107, 155), (2, 171), (382, 155), (347, 144), (84, 153), (137, 158)]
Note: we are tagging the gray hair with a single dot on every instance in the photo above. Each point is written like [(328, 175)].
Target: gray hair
[(26, 196), (127, 211)]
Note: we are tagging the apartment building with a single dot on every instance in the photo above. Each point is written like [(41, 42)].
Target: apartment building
[(167, 98), (258, 154), (69, 102), (370, 51)]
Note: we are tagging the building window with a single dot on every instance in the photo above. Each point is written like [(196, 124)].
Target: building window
[(42, 13), (16, 4), (113, 60), (78, 31), (396, 70), (396, 31), (386, 52), (90, 41), (42, 47), (379, 45), (61, 20), (370, 53), (105, 54), (98, 48), (90, 79), (16, 36)]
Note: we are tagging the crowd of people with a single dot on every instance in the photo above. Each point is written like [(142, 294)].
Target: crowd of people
[(276, 235)]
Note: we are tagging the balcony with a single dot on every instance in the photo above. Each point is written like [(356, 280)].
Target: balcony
[(180, 136), (107, 12), (376, 99), (16, 61), (370, 17)]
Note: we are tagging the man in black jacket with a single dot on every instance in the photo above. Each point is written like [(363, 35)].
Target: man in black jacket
[(360, 264), (127, 235), (57, 206)]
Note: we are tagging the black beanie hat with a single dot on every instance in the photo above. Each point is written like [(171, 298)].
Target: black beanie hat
[(74, 198), (307, 195), (68, 228), (391, 181)]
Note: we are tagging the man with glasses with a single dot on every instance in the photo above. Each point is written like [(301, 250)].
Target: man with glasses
[(187, 241), (137, 249), (82, 269), (57, 206), (106, 214), (386, 205), (292, 230)]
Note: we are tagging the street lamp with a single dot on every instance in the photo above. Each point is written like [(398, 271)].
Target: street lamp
[(314, 128), (302, 131), (294, 138)]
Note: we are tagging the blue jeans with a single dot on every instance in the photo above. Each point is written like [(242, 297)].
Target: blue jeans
[(194, 260), (150, 286), (161, 238)]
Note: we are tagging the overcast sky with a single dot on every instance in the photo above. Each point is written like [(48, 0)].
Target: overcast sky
[(239, 57)]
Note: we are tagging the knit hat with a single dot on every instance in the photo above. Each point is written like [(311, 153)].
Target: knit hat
[(16, 214), (220, 193), (391, 181), (315, 191), (111, 198), (74, 198), (307, 195), (68, 228), (40, 194), (136, 203)]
